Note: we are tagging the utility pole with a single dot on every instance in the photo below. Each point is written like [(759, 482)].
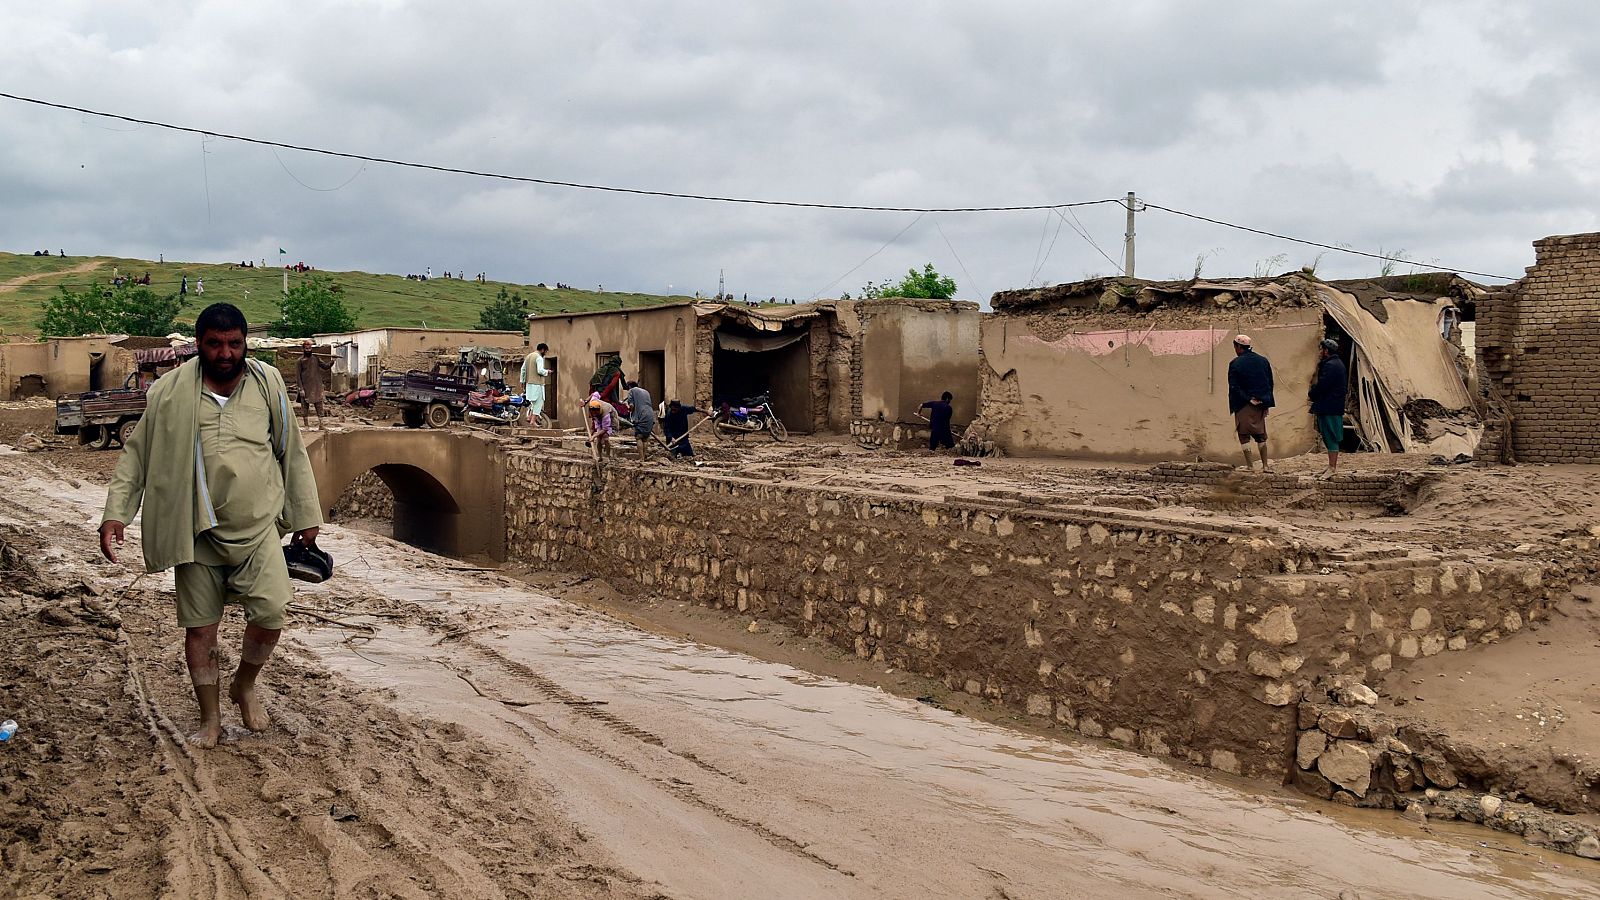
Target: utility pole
[(1127, 238), (720, 290)]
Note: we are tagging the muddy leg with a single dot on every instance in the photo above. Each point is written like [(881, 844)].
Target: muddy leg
[(257, 649), (1249, 460), (200, 653), (1261, 448)]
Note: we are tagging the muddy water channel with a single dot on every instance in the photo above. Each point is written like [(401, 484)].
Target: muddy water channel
[(719, 775)]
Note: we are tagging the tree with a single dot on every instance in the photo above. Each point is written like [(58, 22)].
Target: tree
[(148, 313), (314, 306), (925, 285), (506, 312), (110, 309)]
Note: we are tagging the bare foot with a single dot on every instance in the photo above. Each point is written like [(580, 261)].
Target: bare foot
[(255, 718), (208, 735)]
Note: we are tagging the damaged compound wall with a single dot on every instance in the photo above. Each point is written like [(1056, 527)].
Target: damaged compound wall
[(1538, 346), (1130, 369), (1184, 639), (911, 351), (1101, 380)]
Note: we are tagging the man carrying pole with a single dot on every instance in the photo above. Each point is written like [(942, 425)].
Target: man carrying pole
[(220, 470)]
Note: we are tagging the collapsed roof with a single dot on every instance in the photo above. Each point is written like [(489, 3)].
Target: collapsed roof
[(1409, 383)]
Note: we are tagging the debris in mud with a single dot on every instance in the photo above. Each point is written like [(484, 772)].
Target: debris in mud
[(341, 813)]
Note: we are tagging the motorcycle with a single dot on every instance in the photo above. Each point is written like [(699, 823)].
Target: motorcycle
[(494, 406), (753, 416)]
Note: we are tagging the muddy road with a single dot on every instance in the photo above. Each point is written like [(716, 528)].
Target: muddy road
[(444, 731)]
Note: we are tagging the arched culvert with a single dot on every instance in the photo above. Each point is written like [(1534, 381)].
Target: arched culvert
[(425, 515)]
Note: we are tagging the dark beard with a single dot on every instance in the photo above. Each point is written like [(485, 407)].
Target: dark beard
[(220, 374)]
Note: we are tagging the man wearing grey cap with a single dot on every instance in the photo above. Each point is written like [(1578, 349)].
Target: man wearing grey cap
[(1249, 398), (1327, 400)]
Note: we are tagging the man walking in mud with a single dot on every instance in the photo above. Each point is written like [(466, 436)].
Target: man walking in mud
[(1249, 398), (220, 470)]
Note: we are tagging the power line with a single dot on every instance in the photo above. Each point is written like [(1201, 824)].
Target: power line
[(1084, 233), (1284, 237), (546, 181), (970, 279), (870, 256)]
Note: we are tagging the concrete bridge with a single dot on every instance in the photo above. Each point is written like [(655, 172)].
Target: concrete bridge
[(448, 485)]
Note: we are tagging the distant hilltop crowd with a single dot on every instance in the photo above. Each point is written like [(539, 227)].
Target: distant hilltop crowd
[(453, 276), (47, 253)]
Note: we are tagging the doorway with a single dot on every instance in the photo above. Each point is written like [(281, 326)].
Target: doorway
[(653, 373), (741, 369)]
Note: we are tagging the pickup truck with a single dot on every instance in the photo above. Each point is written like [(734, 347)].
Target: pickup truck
[(99, 417), (437, 396)]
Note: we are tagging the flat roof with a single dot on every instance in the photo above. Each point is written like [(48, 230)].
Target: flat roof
[(676, 304), (397, 328)]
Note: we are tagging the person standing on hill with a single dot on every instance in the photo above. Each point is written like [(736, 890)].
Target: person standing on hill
[(1327, 398), (219, 468), (1249, 398)]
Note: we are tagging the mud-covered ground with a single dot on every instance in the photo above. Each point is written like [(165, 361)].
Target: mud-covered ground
[(440, 730)]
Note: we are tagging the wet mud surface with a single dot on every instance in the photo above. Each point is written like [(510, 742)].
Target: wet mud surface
[(445, 731)]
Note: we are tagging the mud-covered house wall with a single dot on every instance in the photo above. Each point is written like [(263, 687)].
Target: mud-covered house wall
[(1099, 381), (912, 351)]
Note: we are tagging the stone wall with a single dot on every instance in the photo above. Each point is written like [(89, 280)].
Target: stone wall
[(1184, 639), (1537, 356), (367, 497)]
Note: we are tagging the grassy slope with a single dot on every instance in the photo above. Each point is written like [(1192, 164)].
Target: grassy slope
[(380, 300)]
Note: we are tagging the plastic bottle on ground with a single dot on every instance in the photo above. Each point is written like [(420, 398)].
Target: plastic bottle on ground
[(7, 729)]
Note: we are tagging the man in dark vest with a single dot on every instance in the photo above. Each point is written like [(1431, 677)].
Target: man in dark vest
[(1249, 398)]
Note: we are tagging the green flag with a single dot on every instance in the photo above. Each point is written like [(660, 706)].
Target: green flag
[(281, 250)]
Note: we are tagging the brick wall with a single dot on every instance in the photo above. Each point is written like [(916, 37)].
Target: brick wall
[(1538, 347), (1190, 640)]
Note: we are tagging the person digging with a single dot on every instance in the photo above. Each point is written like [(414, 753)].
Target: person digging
[(219, 467), (1249, 398)]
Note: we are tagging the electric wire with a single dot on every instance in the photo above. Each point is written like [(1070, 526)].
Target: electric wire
[(870, 257), (549, 182), (1040, 261), (1084, 234), (970, 280), (1049, 207), (1145, 204), (342, 186)]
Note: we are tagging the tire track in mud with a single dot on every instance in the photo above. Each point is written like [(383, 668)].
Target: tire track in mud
[(523, 674)]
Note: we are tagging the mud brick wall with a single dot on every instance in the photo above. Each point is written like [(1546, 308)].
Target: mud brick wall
[(1539, 350), (1191, 642)]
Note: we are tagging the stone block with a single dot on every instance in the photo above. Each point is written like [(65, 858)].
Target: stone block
[(1338, 723), (1348, 765), (1312, 783), (1309, 747)]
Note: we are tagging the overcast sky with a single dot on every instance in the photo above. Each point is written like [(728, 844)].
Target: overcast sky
[(1457, 132)]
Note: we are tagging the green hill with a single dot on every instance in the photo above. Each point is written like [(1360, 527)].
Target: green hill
[(27, 281)]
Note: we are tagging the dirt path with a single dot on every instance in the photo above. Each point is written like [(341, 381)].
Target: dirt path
[(11, 285), (492, 741)]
